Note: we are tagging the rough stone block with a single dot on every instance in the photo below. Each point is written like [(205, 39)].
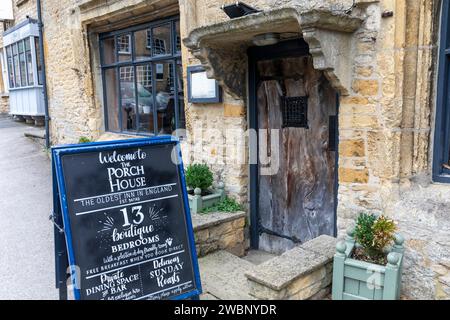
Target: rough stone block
[(306, 282), (352, 148), (354, 100), (353, 175), (365, 87), (307, 292), (233, 110), (263, 292), (280, 272)]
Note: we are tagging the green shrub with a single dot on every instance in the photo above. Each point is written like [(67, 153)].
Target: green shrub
[(199, 176), (383, 233), (374, 234), (84, 140), (225, 205)]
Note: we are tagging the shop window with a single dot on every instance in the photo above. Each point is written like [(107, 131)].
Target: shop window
[(441, 157), (143, 86), (23, 63)]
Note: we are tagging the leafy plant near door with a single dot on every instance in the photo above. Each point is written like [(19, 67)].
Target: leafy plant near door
[(84, 140), (199, 179), (199, 176), (368, 264), (227, 204)]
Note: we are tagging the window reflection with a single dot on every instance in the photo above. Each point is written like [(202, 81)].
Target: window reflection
[(29, 62), (143, 44), (143, 78), (124, 47), (112, 99), (161, 43), (145, 98), (165, 103), (109, 51), (177, 37), (127, 98), (180, 88)]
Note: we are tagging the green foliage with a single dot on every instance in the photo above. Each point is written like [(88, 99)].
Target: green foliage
[(374, 234), (84, 140), (199, 176), (383, 232), (225, 205), (363, 230)]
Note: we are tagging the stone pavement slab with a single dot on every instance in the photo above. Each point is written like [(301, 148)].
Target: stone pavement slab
[(26, 234), (223, 276)]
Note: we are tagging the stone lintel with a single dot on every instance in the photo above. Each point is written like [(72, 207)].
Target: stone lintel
[(222, 47)]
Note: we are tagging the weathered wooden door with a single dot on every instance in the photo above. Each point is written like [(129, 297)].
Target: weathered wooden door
[(296, 113)]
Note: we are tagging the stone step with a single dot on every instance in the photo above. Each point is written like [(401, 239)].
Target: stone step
[(257, 257), (223, 276)]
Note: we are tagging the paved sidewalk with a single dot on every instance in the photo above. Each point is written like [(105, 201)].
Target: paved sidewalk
[(26, 234)]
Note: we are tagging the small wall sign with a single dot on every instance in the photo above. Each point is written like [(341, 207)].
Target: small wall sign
[(127, 225), (200, 88)]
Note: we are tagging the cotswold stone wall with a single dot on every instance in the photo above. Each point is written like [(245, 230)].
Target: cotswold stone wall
[(385, 121), (386, 139), (385, 127), (24, 8), (4, 104), (69, 79)]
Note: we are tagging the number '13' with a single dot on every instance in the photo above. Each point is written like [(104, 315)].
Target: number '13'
[(138, 215)]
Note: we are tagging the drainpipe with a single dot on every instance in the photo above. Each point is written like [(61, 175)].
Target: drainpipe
[(44, 78)]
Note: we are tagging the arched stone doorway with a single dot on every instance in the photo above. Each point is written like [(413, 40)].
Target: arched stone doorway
[(299, 203)]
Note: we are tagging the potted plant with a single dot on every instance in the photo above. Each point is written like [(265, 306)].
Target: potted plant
[(199, 180), (368, 264)]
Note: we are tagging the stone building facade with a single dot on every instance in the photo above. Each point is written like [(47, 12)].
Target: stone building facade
[(381, 58)]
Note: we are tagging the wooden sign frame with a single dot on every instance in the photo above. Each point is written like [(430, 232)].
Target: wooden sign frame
[(64, 253)]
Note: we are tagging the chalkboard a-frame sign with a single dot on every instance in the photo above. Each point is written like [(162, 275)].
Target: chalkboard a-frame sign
[(127, 230)]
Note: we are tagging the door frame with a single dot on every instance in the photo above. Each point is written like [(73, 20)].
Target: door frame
[(290, 48)]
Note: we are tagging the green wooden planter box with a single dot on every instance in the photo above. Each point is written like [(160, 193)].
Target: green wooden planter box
[(197, 202), (360, 280)]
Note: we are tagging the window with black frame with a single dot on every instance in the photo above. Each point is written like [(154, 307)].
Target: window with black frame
[(142, 78), (441, 157)]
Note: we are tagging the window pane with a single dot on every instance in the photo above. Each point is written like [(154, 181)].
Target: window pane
[(21, 46), (38, 60), (180, 88), (30, 68), (27, 44), (145, 98), (8, 52), (161, 40), (108, 51), (11, 72), (23, 69), (124, 47), (177, 37), (16, 70), (128, 98), (165, 104), (112, 99), (142, 44), (14, 46)]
